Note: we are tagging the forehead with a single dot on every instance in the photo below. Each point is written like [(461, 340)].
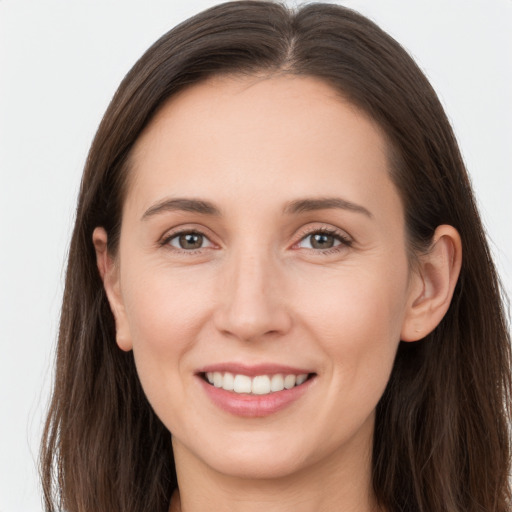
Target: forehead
[(232, 135), (241, 105)]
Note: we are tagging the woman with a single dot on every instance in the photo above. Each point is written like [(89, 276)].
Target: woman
[(277, 258)]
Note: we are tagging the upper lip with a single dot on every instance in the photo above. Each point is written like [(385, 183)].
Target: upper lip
[(253, 370)]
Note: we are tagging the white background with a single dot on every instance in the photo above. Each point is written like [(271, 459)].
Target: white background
[(60, 63)]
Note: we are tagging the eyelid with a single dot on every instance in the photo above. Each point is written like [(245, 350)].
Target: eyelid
[(341, 235), (186, 229), (178, 235)]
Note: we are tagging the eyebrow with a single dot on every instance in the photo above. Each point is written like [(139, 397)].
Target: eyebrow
[(183, 204), (324, 203), (293, 207)]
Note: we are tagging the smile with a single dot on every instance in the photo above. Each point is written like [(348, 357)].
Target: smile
[(255, 391), (256, 385)]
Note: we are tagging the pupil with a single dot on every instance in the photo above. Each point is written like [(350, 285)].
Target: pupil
[(322, 241), (191, 241)]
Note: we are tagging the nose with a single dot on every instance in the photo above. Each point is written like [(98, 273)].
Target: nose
[(252, 302)]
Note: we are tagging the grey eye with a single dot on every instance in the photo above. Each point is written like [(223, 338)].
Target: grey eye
[(188, 241), (320, 241)]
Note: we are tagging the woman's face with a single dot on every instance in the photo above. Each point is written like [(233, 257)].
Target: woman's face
[(262, 243)]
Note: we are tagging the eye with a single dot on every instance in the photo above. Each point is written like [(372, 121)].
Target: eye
[(324, 239), (188, 241)]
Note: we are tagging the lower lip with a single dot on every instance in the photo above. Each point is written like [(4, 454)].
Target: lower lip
[(254, 406)]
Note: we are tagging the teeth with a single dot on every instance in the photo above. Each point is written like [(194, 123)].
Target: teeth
[(229, 382), (217, 379), (289, 381), (277, 383), (301, 379), (242, 384), (259, 385)]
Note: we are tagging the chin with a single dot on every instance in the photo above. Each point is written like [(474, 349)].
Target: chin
[(258, 466), (258, 455)]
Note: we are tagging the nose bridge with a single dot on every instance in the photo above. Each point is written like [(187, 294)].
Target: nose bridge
[(252, 296)]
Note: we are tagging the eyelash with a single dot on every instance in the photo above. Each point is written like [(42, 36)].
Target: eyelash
[(166, 241), (344, 240), (339, 236)]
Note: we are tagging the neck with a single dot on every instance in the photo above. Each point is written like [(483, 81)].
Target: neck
[(341, 483)]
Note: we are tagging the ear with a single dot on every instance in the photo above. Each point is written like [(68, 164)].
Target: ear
[(432, 284), (109, 272)]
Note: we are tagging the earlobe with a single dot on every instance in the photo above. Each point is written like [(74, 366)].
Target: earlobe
[(434, 283), (109, 273)]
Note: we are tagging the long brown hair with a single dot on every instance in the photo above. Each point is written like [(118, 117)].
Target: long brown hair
[(442, 439)]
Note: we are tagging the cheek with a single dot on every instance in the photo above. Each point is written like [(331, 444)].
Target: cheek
[(164, 308), (354, 302), (357, 326), (165, 312), (356, 319)]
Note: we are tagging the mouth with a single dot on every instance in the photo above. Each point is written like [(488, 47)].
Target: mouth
[(255, 390), (259, 385)]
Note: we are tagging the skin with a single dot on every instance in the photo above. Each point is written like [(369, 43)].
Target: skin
[(258, 291)]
